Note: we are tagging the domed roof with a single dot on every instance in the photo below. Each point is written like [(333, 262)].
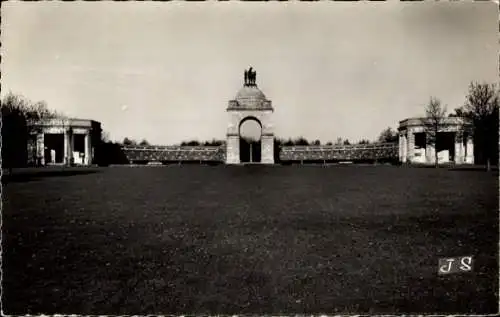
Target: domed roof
[(249, 97), (250, 93)]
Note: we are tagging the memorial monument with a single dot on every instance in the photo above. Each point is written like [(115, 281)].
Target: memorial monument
[(249, 104)]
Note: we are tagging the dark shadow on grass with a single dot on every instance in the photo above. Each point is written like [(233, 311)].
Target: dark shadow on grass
[(37, 175)]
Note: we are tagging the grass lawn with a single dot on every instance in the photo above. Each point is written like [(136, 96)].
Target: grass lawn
[(249, 239)]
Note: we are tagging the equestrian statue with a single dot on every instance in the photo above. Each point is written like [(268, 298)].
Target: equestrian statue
[(250, 77)]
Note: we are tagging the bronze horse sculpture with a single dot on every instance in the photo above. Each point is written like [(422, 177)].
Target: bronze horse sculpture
[(250, 77)]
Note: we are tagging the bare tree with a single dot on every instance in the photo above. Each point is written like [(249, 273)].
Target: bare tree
[(433, 123), (481, 107), (339, 141)]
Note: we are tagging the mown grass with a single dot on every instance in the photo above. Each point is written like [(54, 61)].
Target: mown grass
[(252, 239)]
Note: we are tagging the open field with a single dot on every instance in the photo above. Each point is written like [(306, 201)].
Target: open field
[(249, 239)]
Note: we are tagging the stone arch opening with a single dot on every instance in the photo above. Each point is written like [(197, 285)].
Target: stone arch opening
[(250, 136)]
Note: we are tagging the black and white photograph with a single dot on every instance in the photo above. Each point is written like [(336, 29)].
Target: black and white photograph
[(250, 158)]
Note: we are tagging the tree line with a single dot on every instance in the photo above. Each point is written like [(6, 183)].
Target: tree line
[(388, 135), (130, 142)]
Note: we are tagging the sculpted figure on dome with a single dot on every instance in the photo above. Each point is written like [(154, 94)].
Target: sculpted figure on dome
[(250, 77)]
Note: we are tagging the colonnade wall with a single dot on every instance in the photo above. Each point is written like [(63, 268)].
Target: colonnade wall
[(144, 154), (217, 154), (356, 153)]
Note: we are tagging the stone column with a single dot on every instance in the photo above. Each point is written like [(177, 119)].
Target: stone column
[(88, 150), (267, 140), (411, 145), (400, 149), (71, 146), (66, 148), (267, 149), (429, 150), (469, 149), (429, 153), (405, 148), (233, 149), (40, 149), (459, 155)]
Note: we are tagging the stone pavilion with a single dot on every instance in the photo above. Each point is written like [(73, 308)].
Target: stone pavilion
[(64, 141), (453, 144)]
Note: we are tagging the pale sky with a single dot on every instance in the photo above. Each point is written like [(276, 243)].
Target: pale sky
[(165, 71)]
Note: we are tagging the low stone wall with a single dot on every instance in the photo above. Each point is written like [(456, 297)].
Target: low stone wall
[(167, 154), (354, 153)]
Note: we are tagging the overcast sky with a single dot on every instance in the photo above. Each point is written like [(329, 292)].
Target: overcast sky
[(165, 71)]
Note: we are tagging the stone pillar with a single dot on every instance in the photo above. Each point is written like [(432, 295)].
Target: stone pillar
[(429, 151), (411, 146), (71, 146), (267, 149), (469, 150), (459, 155), (88, 150), (431, 157), (404, 148), (66, 148), (40, 149), (400, 149), (233, 149)]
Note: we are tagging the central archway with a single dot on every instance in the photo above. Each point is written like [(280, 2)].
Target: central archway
[(250, 135)]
